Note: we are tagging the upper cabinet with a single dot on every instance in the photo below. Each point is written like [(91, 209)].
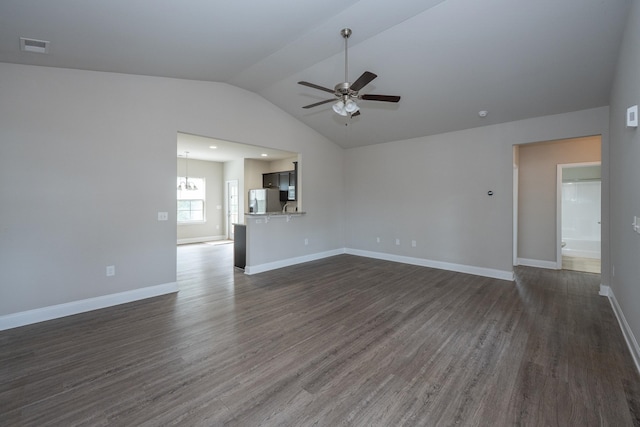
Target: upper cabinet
[(285, 181), (271, 180)]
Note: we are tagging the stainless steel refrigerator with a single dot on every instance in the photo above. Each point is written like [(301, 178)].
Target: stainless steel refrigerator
[(263, 200)]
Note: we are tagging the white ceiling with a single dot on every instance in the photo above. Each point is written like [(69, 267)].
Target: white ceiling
[(447, 59)]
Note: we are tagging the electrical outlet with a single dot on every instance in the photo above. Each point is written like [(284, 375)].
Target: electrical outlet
[(163, 216), (306, 241), (111, 270), (413, 244), (378, 239), (397, 242)]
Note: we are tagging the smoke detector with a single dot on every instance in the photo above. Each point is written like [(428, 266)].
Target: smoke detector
[(33, 45)]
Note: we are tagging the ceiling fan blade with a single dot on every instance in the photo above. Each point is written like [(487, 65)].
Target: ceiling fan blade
[(318, 103), (356, 114), (362, 81), (385, 98), (316, 87)]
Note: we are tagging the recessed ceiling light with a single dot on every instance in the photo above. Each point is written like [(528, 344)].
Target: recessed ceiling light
[(264, 154), (213, 147), (483, 113)]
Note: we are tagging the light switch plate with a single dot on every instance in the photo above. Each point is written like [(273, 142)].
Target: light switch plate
[(111, 270), (632, 116)]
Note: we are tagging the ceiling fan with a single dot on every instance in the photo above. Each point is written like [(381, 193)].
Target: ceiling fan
[(346, 93)]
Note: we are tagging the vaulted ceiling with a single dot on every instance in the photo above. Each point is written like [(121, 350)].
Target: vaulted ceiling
[(447, 59)]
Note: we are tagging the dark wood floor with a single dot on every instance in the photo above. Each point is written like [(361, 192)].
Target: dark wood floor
[(341, 341)]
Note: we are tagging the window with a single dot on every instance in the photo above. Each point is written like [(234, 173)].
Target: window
[(191, 203), (190, 210)]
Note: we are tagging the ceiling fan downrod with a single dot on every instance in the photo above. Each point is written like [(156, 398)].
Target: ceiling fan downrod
[(346, 33)]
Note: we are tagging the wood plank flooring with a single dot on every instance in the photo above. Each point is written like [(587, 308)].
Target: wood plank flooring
[(340, 341), (587, 265)]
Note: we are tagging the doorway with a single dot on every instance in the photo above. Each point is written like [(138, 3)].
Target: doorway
[(232, 203), (579, 217), (537, 195)]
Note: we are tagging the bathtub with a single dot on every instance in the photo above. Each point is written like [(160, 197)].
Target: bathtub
[(583, 248)]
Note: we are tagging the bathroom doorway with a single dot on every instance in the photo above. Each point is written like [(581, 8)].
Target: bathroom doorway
[(579, 217)]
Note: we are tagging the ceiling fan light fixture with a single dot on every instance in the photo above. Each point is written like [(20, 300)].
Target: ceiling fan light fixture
[(351, 107), (339, 108)]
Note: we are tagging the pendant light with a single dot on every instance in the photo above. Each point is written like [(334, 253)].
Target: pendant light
[(186, 185)]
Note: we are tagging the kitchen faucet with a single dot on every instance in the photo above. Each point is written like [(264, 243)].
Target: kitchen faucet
[(284, 208)]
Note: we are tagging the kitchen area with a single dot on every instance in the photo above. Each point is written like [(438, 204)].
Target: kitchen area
[(276, 196), (217, 176)]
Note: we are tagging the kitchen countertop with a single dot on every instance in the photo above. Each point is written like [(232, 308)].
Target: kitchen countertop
[(276, 213)]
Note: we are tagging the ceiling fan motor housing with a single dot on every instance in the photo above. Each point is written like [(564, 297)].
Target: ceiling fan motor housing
[(344, 89)]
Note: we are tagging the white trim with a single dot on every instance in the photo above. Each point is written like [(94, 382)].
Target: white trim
[(549, 265), (201, 239), (37, 315), (604, 290), (516, 197), (559, 217), (460, 268), (632, 343), (478, 271), (261, 268), (227, 212)]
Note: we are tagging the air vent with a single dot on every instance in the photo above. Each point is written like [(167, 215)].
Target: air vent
[(32, 45)]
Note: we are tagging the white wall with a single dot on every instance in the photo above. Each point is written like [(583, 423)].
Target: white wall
[(537, 208), (96, 152), (625, 177), (434, 190), (214, 226), (282, 165)]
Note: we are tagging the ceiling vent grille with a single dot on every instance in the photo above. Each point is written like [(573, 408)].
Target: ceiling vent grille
[(32, 45)]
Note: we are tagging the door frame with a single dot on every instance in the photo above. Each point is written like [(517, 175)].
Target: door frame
[(230, 233), (560, 168)]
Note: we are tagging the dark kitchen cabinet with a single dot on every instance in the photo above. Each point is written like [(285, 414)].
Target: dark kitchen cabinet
[(284, 186), (285, 181), (271, 180), (240, 245), (291, 191), (293, 181)]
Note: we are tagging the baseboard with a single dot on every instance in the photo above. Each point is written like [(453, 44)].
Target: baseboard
[(632, 343), (478, 271), (200, 239), (261, 268), (460, 268), (549, 265), (37, 315)]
